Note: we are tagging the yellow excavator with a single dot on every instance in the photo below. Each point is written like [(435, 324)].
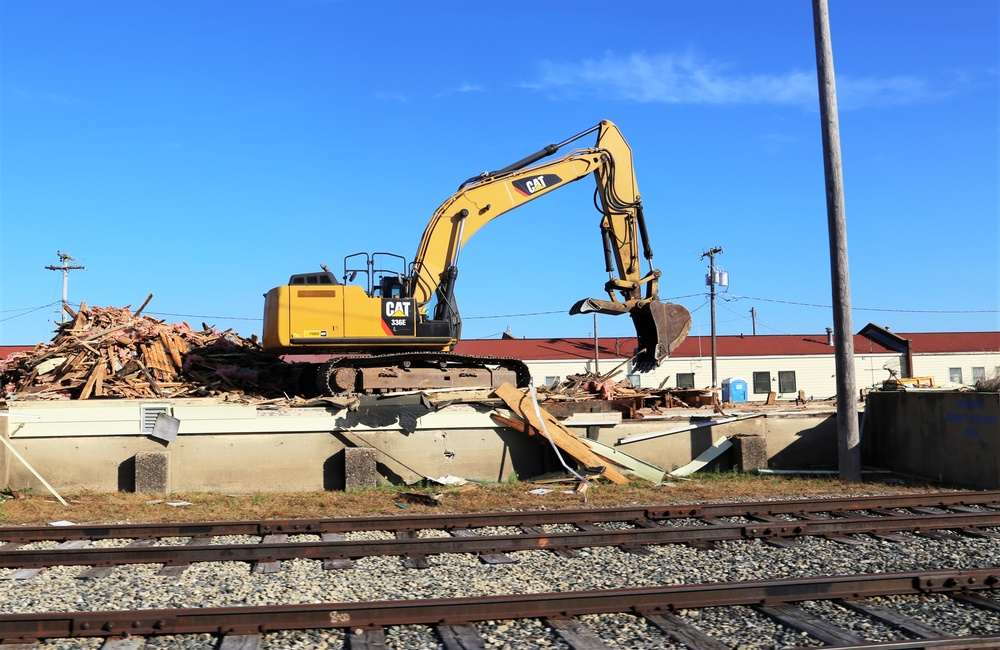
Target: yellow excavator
[(395, 327)]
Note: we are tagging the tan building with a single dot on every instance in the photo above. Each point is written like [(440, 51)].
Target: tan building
[(784, 364)]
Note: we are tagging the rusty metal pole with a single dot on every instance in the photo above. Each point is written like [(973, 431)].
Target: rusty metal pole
[(848, 437)]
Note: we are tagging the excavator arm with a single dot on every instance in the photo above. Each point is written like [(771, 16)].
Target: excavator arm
[(660, 327)]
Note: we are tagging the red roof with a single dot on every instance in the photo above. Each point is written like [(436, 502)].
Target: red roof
[(727, 346), (701, 346), (7, 350)]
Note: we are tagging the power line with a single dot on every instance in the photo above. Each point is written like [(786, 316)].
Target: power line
[(163, 313), (728, 297), (733, 298), (536, 313), (26, 311)]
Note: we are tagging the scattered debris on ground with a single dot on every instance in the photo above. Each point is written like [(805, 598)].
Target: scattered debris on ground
[(112, 352)]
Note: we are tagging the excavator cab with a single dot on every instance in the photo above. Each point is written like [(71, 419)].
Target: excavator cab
[(391, 286)]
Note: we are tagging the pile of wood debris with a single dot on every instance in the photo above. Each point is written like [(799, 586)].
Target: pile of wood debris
[(111, 352), (628, 398)]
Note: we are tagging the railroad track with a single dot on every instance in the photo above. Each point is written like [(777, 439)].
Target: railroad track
[(829, 610), (778, 523), (454, 619)]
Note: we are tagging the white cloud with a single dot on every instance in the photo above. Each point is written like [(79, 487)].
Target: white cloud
[(391, 97), (690, 79)]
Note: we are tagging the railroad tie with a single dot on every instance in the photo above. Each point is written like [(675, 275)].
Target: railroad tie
[(460, 637), (367, 640), (271, 566), (95, 572), (415, 561), (801, 620), (627, 548), (28, 574), (335, 563), (123, 643), (576, 634), (240, 642), (174, 570), (892, 618), (977, 601), (559, 552), (846, 540), (684, 633), (485, 558)]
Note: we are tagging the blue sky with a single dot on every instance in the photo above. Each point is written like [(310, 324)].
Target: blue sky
[(205, 151)]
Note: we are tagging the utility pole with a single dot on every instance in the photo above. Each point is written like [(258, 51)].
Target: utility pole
[(848, 437), (597, 348), (711, 280), (753, 318), (65, 268)]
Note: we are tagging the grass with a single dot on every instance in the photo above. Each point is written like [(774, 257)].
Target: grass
[(37, 507)]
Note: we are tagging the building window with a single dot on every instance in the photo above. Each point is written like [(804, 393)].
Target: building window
[(635, 380), (551, 380), (786, 381), (762, 382), (685, 380), (955, 375), (978, 374)]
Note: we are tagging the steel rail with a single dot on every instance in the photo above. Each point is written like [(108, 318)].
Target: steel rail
[(374, 615), (391, 523), (985, 641), (483, 544)]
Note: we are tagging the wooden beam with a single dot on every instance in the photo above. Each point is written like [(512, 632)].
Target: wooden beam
[(560, 436)]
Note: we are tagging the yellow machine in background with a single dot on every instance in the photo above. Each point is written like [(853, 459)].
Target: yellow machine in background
[(398, 326)]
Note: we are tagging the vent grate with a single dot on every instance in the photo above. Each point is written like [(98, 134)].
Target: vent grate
[(149, 414)]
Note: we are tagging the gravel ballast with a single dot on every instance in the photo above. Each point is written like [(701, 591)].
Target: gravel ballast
[(213, 584)]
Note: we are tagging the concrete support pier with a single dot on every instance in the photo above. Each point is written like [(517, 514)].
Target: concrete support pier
[(152, 472)]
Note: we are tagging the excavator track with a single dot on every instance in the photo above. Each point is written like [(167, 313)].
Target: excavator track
[(389, 373)]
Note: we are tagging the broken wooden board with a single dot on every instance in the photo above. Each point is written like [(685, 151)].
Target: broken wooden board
[(523, 406), (565, 409), (706, 457)]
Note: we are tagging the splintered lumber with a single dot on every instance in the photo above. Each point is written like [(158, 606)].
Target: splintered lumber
[(523, 406), (631, 464), (109, 352)]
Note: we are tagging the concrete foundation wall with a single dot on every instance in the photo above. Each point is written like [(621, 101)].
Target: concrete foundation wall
[(942, 436), (234, 449)]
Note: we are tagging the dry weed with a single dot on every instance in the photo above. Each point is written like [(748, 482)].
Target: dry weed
[(121, 507)]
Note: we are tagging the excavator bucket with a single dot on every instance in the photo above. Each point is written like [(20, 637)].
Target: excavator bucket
[(660, 328)]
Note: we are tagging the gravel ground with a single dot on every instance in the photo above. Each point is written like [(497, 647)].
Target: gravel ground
[(381, 578)]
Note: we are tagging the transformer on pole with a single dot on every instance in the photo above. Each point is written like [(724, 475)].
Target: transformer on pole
[(66, 267)]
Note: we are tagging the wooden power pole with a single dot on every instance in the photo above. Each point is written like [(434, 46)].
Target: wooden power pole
[(848, 437)]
